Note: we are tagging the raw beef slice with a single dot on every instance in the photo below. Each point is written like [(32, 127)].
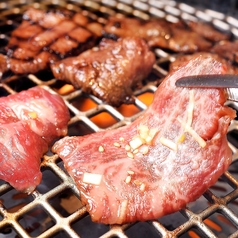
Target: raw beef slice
[(165, 159)]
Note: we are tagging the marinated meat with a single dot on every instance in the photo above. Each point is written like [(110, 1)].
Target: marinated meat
[(208, 31), (38, 63), (26, 132), (227, 50), (186, 41), (165, 159), (3, 65), (46, 19), (26, 30), (47, 36), (157, 30), (158, 33), (110, 71)]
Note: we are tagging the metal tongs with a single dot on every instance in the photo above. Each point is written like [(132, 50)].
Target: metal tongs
[(226, 81)]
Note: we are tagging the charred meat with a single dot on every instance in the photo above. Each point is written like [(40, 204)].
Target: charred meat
[(207, 31), (158, 33), (227, 50), (110, 71), (44, 37)]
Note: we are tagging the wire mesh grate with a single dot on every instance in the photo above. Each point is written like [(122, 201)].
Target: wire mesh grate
[(55, 209)]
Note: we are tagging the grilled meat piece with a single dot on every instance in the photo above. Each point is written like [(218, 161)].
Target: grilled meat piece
[(227, 50), (3, 65), (158, 33), (165, 159), (46, 19), (26, 30), (47, 36), (26, 132), (148, 30), (38, 63), (186, 41), (110, 71), (207, 31)]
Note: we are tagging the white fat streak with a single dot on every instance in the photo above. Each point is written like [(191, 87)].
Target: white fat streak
[(190, 108), (122, 211)]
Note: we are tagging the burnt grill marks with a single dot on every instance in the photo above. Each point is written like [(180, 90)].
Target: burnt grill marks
[(111, 71), (44, 37)]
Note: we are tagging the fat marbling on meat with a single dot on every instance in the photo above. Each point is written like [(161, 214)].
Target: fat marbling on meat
[(29, 122), (165, 159), (110, 71)]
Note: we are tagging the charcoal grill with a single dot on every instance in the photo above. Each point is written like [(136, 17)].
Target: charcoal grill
[(54, 208)]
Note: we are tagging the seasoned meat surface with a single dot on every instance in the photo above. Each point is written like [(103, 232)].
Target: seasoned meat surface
[(158, 33), (227, 50), (47, 36), (110, 71), (46, 19), (3, 64), (208, 31), (156, 30), (29, 122), (165, 159)]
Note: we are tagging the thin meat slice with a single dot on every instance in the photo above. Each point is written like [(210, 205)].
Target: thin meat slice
[(165, 159), (158, 33), (110, 71), (20, 49), (29, 122), (186, 41), (227, 50), (20, 156), (46, 113), (47, 37), (158, 29), (39, 62)]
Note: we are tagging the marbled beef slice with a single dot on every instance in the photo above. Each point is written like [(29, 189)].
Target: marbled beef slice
[(165, 159)]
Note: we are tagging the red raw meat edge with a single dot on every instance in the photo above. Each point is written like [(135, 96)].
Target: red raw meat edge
[(165, 159), (29, 122)]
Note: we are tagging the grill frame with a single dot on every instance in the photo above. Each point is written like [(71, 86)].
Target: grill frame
[(194, 219)]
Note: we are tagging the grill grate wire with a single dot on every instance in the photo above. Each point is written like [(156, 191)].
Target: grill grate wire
[(54, 209)]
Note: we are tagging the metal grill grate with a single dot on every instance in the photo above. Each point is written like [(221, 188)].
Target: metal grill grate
[(54, 209)]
